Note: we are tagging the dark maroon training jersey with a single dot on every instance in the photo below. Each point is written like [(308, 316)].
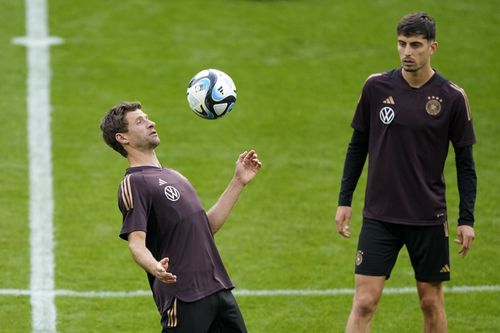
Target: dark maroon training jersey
[(409, 132), (162, 203)]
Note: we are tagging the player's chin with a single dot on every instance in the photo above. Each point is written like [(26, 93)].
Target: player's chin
[(409, 69)]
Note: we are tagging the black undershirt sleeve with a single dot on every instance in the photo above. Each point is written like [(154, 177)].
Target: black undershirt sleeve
[(353, 166), (467, 184)]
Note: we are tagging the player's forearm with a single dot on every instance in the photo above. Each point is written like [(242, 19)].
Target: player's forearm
[(353, 166), (218, 213), (143, 257), (467, 184)]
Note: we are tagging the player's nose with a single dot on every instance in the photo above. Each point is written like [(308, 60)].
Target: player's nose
[(151, 123)]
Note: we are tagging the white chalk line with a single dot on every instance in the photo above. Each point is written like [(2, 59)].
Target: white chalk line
[(41, 204), (250, 293)]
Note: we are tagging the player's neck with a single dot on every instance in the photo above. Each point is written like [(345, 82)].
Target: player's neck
[(418, 78), (142, 158)]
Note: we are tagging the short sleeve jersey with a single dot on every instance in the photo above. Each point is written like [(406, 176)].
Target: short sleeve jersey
[(162, 203), (409, 131)]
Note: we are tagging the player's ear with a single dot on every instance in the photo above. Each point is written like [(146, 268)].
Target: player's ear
[(121, 138), (433, 46)]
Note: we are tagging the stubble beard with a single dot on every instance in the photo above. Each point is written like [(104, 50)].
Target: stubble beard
[(412, 68), (155, 143), (149, 143)]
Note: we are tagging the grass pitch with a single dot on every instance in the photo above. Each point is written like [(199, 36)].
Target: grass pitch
[(299, 67)]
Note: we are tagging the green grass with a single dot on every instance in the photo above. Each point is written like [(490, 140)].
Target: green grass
[(299, 67), (14, 182)]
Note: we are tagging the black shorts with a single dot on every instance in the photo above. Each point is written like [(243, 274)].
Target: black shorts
[(380, 242), (217, 313)]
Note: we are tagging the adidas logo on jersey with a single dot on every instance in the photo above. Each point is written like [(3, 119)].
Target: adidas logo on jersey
[(389, 100), (161, 182)]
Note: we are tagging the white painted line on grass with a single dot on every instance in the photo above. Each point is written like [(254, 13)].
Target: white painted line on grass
[(347, 291), (256, 293), (41, 291)]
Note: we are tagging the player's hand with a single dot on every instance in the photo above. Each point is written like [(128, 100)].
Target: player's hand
[(343, 220), (247, 166), (162, 272), (465, 236)]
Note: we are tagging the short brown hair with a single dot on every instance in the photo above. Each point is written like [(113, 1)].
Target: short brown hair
[(115, 121), (418, 23)]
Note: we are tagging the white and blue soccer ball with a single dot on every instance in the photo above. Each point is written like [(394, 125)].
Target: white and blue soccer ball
[(211, 94)]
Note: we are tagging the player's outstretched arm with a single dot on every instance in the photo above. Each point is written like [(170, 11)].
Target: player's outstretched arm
[(144, 258), (247, 166)]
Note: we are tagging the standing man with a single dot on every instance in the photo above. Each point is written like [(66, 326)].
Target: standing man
[(169, 233), (404, 121)]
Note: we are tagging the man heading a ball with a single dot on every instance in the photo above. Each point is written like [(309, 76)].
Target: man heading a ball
[(169, 233)]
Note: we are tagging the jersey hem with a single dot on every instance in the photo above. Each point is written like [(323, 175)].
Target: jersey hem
[(406, 222)]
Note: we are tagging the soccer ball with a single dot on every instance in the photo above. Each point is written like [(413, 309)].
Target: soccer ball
[(211, 94)]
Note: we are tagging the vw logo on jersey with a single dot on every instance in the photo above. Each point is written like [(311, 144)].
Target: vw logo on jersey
[(386, 115), (172, 193)]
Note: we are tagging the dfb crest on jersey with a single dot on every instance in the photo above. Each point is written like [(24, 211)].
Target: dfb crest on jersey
[(433, 106)]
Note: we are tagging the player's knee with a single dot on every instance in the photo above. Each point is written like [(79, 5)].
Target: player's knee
[(365, 305), (431, 304)]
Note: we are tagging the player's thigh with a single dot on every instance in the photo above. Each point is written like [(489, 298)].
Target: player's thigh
[(190, 317), (368, 290), (431, 294), (378, 248), (428, 248), (229, 318)]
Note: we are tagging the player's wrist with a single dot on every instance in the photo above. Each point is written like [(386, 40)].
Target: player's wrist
[(238, 182), (461, 222)]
